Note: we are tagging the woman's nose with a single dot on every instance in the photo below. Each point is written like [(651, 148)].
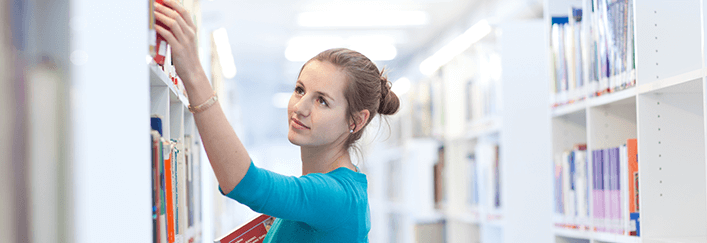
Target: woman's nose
[(302, 107)]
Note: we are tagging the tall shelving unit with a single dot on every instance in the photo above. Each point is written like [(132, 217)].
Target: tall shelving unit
[(182, 142), (665, 111), (473, 125), (437, 112), (516, 129), (401, 176), (178, 125), (114, 90)]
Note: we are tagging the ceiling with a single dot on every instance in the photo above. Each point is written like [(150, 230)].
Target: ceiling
[(259, 32)]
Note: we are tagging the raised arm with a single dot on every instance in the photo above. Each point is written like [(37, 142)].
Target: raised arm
[(227, 155)]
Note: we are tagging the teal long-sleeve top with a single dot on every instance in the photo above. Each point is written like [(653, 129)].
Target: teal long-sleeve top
[(331, 207)]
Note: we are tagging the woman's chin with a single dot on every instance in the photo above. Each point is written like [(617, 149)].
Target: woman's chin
[(291, 136)]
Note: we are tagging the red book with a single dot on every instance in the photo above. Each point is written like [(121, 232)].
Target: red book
[(170, 199), (252, 232), (160, 44)]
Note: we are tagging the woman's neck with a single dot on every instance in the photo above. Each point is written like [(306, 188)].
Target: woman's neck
[(324, 160)]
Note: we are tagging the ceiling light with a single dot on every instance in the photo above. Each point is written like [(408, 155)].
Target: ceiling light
[(376, 18), (377, 48), (455, 47), (302, 48), (401, 86), (225, 56)]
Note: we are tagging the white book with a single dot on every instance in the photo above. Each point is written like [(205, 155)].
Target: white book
[(625, 218), (566, 180), (580, 158), (182, 190)]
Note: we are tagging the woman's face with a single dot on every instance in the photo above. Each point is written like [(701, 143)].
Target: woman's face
[(317, 109)]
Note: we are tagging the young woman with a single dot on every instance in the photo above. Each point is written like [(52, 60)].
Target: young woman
[(336, 95)]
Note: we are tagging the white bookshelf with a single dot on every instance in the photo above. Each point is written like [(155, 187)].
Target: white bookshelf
[(665, 111), (170, 104)]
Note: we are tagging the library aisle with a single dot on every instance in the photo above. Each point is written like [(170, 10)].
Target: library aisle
[(520, 120)]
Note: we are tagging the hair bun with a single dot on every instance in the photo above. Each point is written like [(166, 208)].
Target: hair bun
[(389, 102)]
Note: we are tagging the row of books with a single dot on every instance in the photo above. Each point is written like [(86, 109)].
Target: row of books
[(427, 111), (592, 51), (484, 176), (440, 195), (613, 196), (572, 187), (176, 204), (481, 99), (160, 51)]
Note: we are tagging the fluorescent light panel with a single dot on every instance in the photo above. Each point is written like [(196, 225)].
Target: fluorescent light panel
[(401, 86), (223, 48), (377, 48), (375, 18), (455, 47)]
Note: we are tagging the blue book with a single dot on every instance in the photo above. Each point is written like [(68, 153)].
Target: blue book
[(635, 224), (156, 124)]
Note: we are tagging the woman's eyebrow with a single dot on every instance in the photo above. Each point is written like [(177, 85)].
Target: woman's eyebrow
[(318, 92), (325, 95)]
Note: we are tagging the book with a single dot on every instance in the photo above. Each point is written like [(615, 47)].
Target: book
[(159, 50), (156, 156), (254, 231), (592, 51), (633, 204), (169, 192), (624, 190), (181, 191), (635, 225)]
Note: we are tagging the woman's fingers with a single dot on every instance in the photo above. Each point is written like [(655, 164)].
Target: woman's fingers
[(166, 34), (172, 24), (182, 11)]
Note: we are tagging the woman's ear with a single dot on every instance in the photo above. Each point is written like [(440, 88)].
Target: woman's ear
[(360, 118)]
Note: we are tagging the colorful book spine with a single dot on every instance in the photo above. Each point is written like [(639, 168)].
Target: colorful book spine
[(160, 49), (616, 191), (164, 226), (169, 191), (633, 192), (624, 190), (155, 140)]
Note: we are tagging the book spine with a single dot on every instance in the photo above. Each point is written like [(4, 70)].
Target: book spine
[(181, 190), (632, 147), (171, 226), (163, 200), (624, 190), (596, 169), (155, 139)]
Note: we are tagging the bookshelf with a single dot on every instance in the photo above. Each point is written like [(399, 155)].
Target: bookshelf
[(176, 150), (487, 177), (178, 125), (664, 110)]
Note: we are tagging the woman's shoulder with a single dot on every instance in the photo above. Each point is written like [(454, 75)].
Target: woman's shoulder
[(344, 172)]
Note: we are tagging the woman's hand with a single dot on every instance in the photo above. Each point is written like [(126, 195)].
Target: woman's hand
[(181, 36)]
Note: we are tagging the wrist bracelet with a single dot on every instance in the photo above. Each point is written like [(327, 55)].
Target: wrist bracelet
[(208, 103)]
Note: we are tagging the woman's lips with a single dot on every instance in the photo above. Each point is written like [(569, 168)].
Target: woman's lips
[(299, 124)]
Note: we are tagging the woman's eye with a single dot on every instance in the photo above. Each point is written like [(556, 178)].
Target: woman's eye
[(323, 101), (299, 90)]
